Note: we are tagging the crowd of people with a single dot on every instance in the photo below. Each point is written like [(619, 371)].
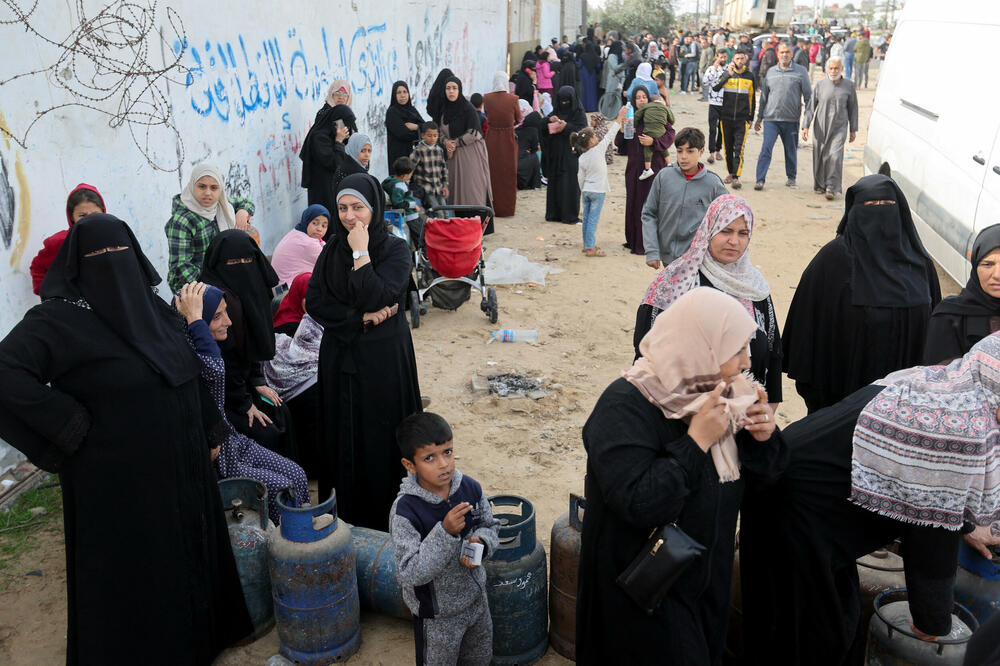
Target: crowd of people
[(300, 365)]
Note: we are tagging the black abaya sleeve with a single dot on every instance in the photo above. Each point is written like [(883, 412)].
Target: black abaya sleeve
[(644, 478), (238, 386), (944, 339), (382, 286), (327, 151), (774, 362), (395, 126), (933, 283), (765, 460), (44, 423), (375, 287)]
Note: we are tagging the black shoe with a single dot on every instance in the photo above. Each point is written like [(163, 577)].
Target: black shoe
[(759, 185), (790, 182)]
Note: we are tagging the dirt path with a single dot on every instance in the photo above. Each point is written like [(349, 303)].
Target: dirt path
[(584, 317)]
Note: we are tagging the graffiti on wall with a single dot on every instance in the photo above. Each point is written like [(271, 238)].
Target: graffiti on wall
[(6, 205)]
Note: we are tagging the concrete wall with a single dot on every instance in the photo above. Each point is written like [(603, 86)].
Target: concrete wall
[(247, 82)]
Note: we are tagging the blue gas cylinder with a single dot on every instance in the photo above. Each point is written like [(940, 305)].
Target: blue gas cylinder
[(977, 582), (516, 585), (245, 504), (378, 588), (314, 583)]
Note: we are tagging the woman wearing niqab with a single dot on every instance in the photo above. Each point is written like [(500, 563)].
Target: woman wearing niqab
[(911, 456), (863, 303), (99, 384), (960, 321), (559, 162), (367, 373), (590, 67), (236, 265)]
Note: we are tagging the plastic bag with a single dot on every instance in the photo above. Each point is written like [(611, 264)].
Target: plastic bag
[(506, 266)]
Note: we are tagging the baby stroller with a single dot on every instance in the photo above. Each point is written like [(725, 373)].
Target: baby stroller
[(449, 256)]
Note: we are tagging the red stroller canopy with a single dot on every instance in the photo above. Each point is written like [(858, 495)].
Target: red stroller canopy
[(454, 246)]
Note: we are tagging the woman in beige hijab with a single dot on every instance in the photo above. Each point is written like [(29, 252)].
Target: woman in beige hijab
[(671, 442)]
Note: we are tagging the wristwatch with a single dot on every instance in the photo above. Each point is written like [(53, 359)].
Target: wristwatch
[(357, 254)]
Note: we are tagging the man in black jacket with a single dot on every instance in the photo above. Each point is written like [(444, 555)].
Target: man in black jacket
[(738, 88)]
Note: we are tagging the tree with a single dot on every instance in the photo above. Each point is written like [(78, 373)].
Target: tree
[(628, 17)]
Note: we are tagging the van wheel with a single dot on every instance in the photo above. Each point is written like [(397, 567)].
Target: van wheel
[(885, 170)]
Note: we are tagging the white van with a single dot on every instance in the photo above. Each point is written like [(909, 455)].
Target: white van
[(934, 123)]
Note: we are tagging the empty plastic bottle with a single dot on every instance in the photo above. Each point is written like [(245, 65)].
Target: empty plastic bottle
[(629, 129), (515, 335)]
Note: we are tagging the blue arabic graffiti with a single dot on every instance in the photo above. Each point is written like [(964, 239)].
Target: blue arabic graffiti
[(232, 80)]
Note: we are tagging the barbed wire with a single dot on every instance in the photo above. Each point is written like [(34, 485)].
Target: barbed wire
[(105, 62)]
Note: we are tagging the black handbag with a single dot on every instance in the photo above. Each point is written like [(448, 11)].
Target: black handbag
[(663, 558)]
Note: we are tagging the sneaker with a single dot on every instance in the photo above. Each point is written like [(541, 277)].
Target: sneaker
[(818, 190), (711, 158), (647, 173), (736, 184), (829, 195), (790, 182), (759, 185), (718, 156), (728, 179), (545, 181)]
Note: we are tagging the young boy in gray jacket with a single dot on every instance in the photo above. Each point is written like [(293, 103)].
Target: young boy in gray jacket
[(437, 512), (678, 200)]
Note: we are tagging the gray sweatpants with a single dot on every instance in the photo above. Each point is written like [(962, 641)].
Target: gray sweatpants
[(457, 639)]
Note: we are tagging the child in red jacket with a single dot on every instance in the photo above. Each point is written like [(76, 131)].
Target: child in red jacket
[(83, 200)]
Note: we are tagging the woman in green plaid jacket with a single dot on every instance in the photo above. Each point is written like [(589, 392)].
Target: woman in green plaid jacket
[(198, 213)]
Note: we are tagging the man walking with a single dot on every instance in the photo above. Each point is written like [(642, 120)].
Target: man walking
[(708, 81), (862, 57), (738, 89), (689, 65), (705, 60), (833, 111), (849, 45), (782, 93), (801, 54)]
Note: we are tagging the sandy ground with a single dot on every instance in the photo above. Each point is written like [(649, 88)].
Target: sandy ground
[(584, 317)]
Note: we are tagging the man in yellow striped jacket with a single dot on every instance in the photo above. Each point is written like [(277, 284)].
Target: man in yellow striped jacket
[(739, 103)]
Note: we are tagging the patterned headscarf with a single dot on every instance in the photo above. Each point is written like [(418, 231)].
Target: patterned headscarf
[(926, 448), (739, 279), (678, 378)]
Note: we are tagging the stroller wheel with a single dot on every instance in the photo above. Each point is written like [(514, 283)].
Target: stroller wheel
[(492, 309), (415, 309)]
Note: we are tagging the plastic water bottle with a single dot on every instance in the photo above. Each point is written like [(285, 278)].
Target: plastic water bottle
[(515, 335), (629, 129)]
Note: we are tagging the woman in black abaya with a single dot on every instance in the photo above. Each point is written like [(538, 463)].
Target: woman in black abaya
[(235, 264), (961, 321), (863, 303), (323, 151), (435, 98), (367, 369), (559, 162), (98, 383), (402, 123)]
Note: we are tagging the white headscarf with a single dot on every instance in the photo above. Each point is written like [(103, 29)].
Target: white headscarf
[(526, 110), (545, 102), (222, 212), (644, 71), (501, 82)]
